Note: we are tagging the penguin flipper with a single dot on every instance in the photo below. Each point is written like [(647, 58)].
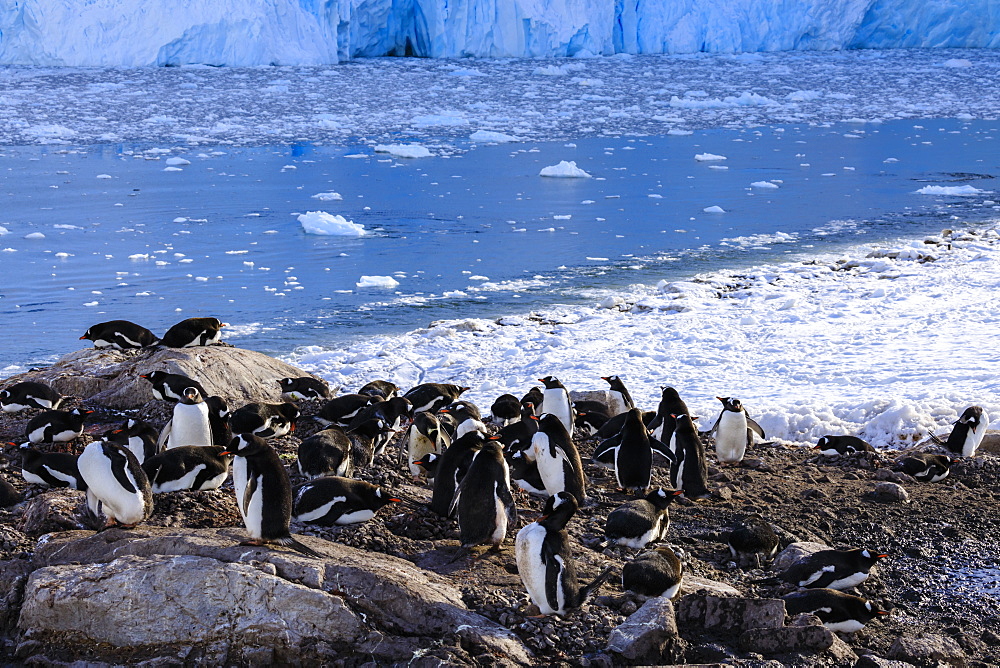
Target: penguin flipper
[(662, 449), (161, 442), (298, 547), (507, 499), (554, 568), (715, 427), (119, 467), (589, 590), (604, 452), (252, 482), (754, 427)]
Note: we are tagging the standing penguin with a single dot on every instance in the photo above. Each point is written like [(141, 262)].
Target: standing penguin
[(926, 467), (218, 421), (690, 470), (193, 332), (838, 611), (451, 468), (332, 500), (424, 437), (136, 435), (631, 452), (517, 435), (433, 396), (190, 424), (545, 560), (670, 404), (29, 394), (484, 503), (752, 540), (265, 494), (642, 521), (195, 467), (120, 334), (303, 388), (55, 426), (556, 401), (967, 435), (658, 572), (734, 431), (557, 458), (116, 484), (621, 400)]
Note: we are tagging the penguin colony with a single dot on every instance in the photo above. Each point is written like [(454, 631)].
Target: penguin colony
[(476, 467)]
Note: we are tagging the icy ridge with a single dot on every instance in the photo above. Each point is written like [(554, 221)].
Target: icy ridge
[(310, 32)]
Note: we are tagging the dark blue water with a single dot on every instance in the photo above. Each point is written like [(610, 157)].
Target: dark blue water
[(444, 224)]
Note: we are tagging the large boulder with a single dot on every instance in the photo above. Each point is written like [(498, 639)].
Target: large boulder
[(111, 377), (649, 635), (147, 591)]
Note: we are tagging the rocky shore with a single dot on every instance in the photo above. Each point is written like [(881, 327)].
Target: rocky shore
[(180, 589)]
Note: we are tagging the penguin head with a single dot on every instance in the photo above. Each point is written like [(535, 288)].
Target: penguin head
[(87, 336), (661, 498), (287, 383), (874, 556), (550, 382), (731, 404), (289, 411), (428, 460), (219, 406), (245, 445), (972, 415), (385, 498), (153, 376), (191, 395), (821, 443)]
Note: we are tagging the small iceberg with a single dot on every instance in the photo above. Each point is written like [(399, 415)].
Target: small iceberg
[(387, 282), (404, 150), (564, 170), (321, 222), (950, 190)]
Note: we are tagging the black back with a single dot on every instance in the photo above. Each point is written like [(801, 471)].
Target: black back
[(831, 565), (325, 452), (969, 421), (506, 407), (830, 606), (122, 333), (175, 463), (844, 445), (484, 493), (307, 386), (264, 467), (652, 573), (690, 450), (753, 535), (192, 330), (433, 396), (27, 391), (341, 410), (171, 386), (381, 388), (54, 422), (37, 462), (670, 404), (451, 468), (358, 495)]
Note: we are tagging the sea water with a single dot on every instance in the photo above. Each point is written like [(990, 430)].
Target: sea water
[(128, 231)]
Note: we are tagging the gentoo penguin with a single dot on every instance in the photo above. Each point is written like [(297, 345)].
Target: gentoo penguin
[(590, 416), (332, 500), (615, 423), (171, 386), (433, 396), (425, 436), (832, 569), (545, 560), (506, 409), (831, 445), (341, 410), (483, 500), (136, 435), (190, 424), (265, 420), (429, 463), (193, 332), (120, 334), (670, 404), (55, 426), (9, 496), (733, 431), (380, 388), (366, 439), (116, 484), (838, 611), (621, 400), (517, 435), (524, 473), (451, 468), (195, 467), (264, 494), (327, 452), (967, 434), (657, 572), (642, 521), (752, 540), (535, 397), (303, 389), (218, 421), (29, 394), (53, 469), (395, 412), (557, 458), (556, 401), (690, 470), (926, 467), (467, 417), (631, 453)]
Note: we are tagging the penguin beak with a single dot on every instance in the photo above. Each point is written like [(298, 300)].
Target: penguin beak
[(291, 428), (678, 492), (393, 499), (223, 324), (535, 417), (881, 612), (83, 337), (226, 452), (881, 556)]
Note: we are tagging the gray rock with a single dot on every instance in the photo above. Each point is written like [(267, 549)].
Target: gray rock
[(890, 492), (692, 584), (928, 650), (54, 510), (730, 614), (647, 635), (794, 552), (389, 595), (872, 661), (787, 639), (111, 377)]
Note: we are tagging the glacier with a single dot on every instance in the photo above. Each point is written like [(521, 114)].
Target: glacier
[(320, 32)]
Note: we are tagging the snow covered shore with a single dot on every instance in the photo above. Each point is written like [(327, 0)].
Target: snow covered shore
[(889, 347)]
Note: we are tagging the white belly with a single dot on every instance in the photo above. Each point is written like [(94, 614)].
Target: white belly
[(501, 531), (549, 468), (556, 402), (974, 438), (731, 437), (240, 482), (118, 503), (319, 512), (849, 626), (616, 403), (418, 446), (184, 482), (531, 568), (64, 436), (849, 582), (254, 517), (190, 426)]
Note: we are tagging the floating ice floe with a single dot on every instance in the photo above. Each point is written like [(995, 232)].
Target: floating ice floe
[(404, 150), (387, 282), (103, 176), (488, 136), (565, 170), (714, 209), (328, 197), (34, 235), (321, 222), (764, 184), (3, 230), (951, 190), (709, 157), (177, 162)]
